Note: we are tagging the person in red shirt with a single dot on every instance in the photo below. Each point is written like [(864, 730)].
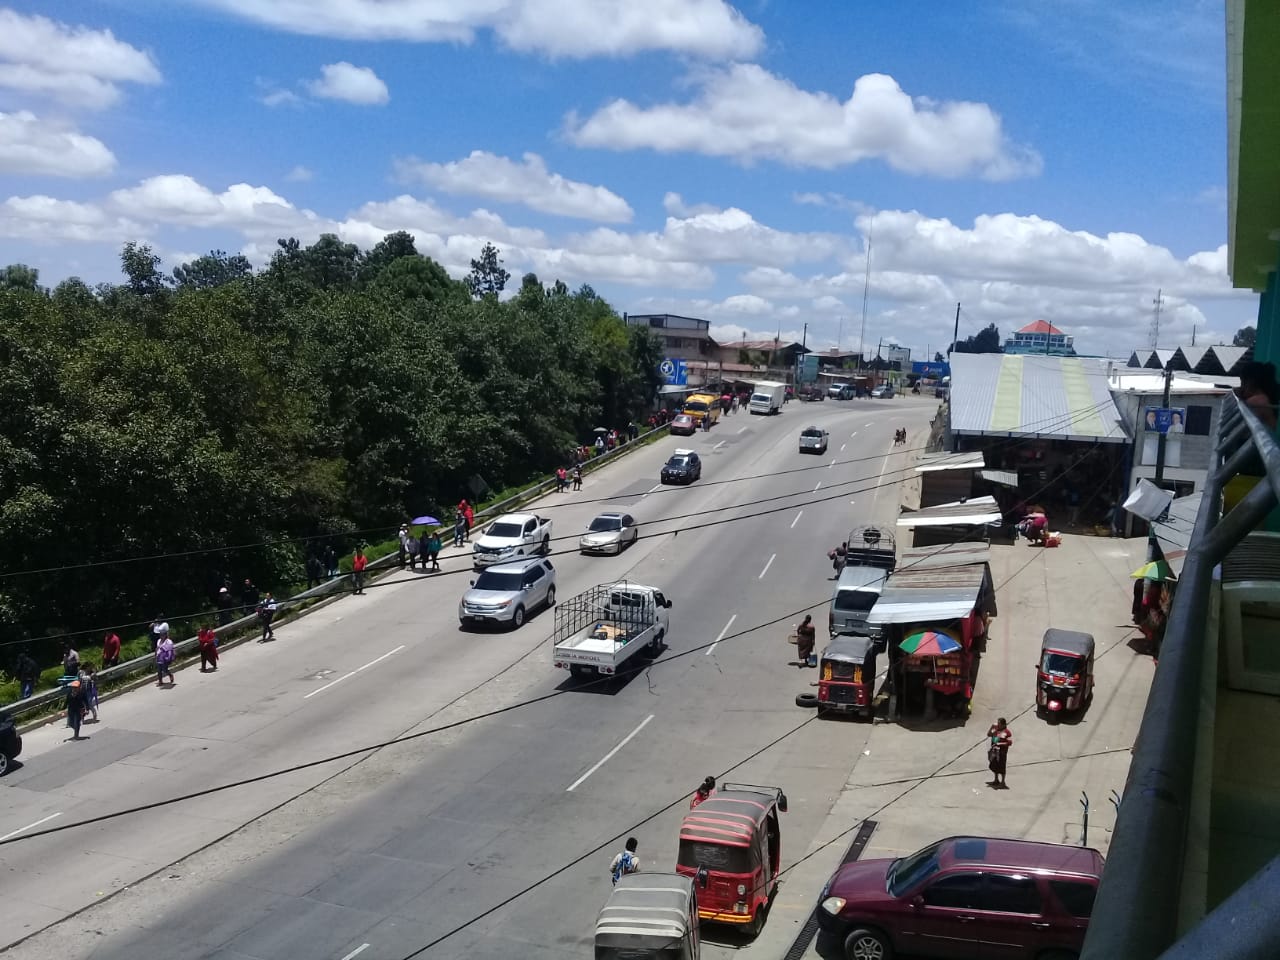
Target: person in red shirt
[(470, 514), (110, 650), (358, 563), (705, 790), (208, 642)]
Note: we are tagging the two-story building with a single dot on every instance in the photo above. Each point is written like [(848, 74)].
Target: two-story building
[(683, 338), (1041, 337)]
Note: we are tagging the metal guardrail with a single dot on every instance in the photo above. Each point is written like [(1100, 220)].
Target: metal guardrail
[(54, 697), (1136, 913)]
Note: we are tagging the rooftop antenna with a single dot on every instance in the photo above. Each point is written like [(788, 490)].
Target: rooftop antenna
[(1155, 322)]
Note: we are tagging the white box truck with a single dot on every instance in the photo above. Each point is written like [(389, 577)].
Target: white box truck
[(602, 628), (767, 397)]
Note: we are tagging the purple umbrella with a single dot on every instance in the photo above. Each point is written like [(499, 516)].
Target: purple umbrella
[(416, 521)]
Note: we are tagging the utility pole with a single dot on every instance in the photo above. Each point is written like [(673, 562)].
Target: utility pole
[(1193, 334), (955, 337), (804, 341), (840, 336), (1155, 323), (866, 286)]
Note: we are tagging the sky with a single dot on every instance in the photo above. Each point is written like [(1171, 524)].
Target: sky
[(740, 163)]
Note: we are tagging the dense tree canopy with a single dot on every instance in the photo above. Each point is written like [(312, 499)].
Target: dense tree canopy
[(333, 391), (1245, 337), (986, 340)]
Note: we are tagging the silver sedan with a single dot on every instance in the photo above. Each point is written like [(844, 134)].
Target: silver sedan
[(609, 533)]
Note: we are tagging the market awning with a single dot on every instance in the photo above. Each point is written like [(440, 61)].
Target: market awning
[(1174, 532), (931, 595), (973, 512), (1006, 478), (930, 462)]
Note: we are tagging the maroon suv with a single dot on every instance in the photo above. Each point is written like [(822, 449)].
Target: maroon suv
[(975, 897)]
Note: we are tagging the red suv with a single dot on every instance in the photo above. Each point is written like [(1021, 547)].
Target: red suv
[(978, 897)]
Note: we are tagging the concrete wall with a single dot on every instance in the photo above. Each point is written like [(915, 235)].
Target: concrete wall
[(1187, 456)]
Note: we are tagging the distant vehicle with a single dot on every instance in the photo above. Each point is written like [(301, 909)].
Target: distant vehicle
[(602, 628), (684, 425), (813, 440), (841, 391), (767, 397), (960, 897), (811, 392), (512, 535), (685, 466), (883, 390), (609, 533), (10, 744), (506, 592), (703, 405)]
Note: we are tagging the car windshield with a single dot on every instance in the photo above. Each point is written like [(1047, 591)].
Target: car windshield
[(855, 601), (678, 462), (504, 530), (817, 434), (697, 405), (906, 872), (605, 524), (489, 580), (762, 397), (1060, 663), (715, 856)]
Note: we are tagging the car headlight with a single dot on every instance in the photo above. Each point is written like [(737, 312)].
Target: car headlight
[(833, 905), (504, 604)]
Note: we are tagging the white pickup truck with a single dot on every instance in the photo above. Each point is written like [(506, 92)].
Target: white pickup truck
[(512, 535), (599, 630)]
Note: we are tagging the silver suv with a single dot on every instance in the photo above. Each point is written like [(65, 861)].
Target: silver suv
[(506, 592)]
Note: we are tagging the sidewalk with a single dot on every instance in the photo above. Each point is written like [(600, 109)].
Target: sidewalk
[(930, 782)]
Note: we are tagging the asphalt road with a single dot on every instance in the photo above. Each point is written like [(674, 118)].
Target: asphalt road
[(384, 853)]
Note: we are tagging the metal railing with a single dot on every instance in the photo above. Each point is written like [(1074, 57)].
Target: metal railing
[(52, 698), (1136, 914)]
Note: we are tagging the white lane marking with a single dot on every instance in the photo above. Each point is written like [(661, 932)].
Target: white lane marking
[(842, 446), (832, 463), (866, 424), (879, 480), (356, 952), (722, 633), (743, 430), (852, 502), (347, 676), (768, 564), (797, 519), (656, 486), (30, 826), (609, 756), (815, 489), (720, 444), (852, 435)]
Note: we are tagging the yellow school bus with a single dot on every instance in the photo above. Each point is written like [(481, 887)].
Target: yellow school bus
[(701, 405)]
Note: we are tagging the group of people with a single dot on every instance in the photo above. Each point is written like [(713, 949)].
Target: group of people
[(425, 547), (565, 475), (80, 681)]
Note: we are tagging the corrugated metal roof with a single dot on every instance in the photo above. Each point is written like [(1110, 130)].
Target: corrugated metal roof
[(1065, 398), (972, 512), (950, 461), (1191, 356), (915, 595), (1229, 358), (948, 555), (1006, 478)]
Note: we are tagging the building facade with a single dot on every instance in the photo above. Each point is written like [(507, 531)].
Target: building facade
[(1041, 337), (683, 338)]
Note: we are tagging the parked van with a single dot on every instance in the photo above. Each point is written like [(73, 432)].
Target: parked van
[(856, 593)]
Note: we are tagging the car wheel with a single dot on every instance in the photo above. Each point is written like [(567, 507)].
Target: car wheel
[(806, 699), (4, 763), (865, 944), (517, 618), (546, 546), (551, 597)]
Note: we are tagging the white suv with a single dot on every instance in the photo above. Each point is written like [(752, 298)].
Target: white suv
[(506, 592)]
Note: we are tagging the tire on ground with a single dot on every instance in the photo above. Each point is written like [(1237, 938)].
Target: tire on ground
[(806, 699)]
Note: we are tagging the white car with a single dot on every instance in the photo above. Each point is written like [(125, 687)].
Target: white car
[(813, 440), (609, 533), (506, 592)]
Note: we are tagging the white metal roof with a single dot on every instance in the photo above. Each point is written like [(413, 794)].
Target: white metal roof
[(930, 462), (977, 510)]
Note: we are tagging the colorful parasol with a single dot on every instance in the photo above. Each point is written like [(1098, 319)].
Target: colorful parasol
[(929, 643), (1158, 570)]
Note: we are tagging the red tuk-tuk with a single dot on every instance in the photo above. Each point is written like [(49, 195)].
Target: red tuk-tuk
[(731, 844), (846, 676)]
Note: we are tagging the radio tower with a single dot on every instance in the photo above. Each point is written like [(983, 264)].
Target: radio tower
[(1155, 321)]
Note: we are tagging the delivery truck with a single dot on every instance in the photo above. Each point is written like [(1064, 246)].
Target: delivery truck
[(767, 397), (600, 629)]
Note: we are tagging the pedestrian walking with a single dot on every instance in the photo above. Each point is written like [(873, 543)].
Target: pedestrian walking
[(27, 671), (70, 661), (626, 862), (330, 562), (632, 430), (562, 481), (414, 546), (838, 556), (208, 643), (599, 446), (89, 684), (1001, 739), (459, 528), (75, 707), (165, 655), (315, 571), (249, 595), (159, 628), (267, 613), (806, 639), (705, 789), (470, 514), (434, 546), (358, 563), (403, 537), (110, 649), (577, 476)]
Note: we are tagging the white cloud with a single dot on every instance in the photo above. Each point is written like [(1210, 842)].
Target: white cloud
[(836, 201), (280, 98), (179, 200), (747, 113), (31, 146), (41, 219), (530, 183), (300, 174), (558, 28), (351, 84), (76, 65), (674, 204)]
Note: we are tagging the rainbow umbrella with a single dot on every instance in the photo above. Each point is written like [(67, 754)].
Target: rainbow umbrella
[(929, 643)]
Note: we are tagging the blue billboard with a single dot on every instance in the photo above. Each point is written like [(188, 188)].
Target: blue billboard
[(675, 373), (930, 368)]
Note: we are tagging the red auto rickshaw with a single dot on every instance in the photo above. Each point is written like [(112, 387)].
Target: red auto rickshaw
[(731, 844), (846, 676)]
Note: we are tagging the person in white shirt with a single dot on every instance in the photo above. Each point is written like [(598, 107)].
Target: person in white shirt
[(625, 862)]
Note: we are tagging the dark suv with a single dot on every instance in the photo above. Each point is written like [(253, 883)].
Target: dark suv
[(10, 744), (976, 897)]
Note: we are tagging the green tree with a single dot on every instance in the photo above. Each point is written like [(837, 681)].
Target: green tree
[(986, 340), (212, 270), (1245, 337), (18, 276), (141, 265), (487, 277)]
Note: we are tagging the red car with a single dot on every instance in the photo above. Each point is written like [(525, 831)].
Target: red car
[(966, 897), (684, 424)]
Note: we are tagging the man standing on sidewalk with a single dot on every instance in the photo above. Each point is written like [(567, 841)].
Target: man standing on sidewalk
[(110, 649), (267, 613), (358, 563), (27, 671), (404, 543)]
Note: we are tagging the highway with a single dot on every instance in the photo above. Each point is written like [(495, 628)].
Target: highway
[(380, 854)]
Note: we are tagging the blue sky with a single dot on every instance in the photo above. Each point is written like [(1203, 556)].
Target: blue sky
[(1060, 160)]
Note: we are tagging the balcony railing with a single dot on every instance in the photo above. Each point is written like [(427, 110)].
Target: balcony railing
[(1136, 915)]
